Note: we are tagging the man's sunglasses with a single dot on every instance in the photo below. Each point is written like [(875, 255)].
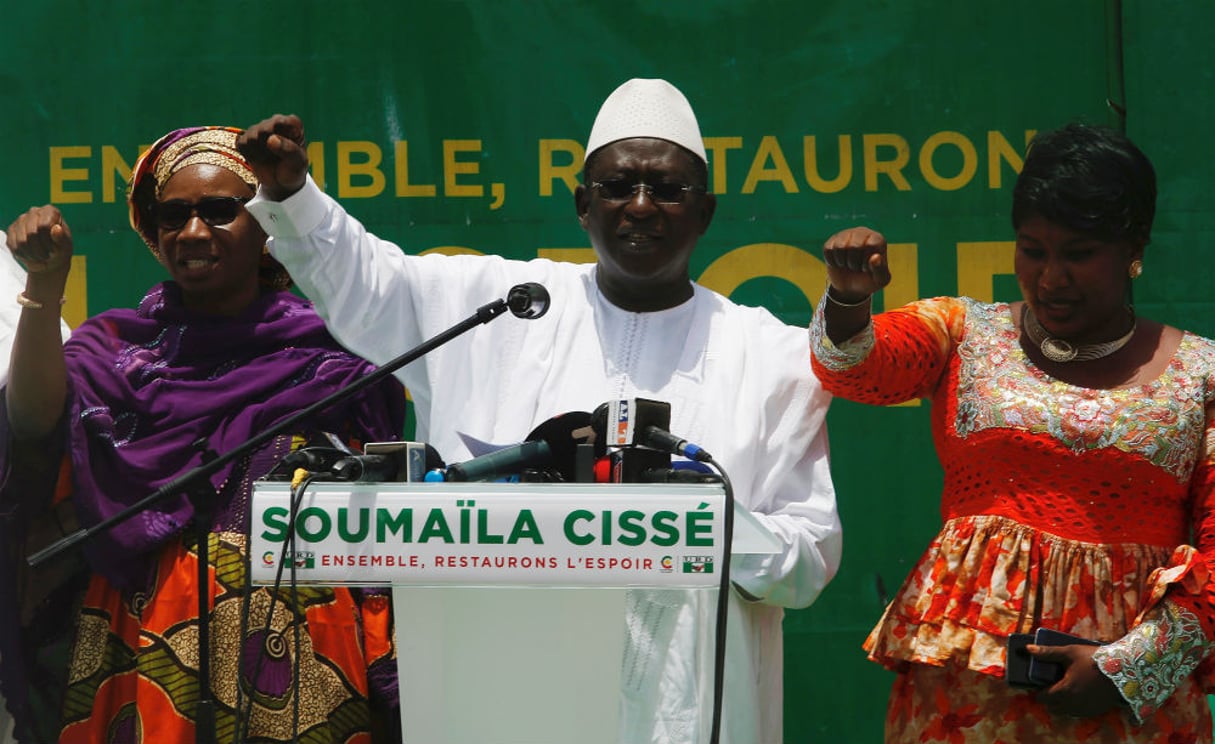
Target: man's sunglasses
[(214, 211), (619, 190)]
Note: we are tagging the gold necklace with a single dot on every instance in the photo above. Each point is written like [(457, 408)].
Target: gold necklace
[(1058, 350)]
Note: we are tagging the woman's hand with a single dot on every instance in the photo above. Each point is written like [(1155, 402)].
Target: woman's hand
[(1084, 692), (856, 263), (856, 268), (42, 241)]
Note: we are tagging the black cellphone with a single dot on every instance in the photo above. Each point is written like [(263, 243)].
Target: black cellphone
[(1016, 666), (1046, 673)]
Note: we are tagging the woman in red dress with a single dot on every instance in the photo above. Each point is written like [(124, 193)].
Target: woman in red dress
[(1078, 443)]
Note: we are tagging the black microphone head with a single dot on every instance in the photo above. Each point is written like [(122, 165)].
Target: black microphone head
[(434, 461), (629, 419), (599, 429), (366, 468), (529, 300), (411, 460), (563, 433), (312, 459)]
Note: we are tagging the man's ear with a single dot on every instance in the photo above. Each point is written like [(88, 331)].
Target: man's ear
[(708, 208), (582, 203)]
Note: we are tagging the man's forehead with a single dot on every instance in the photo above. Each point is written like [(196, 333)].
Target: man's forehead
[(642, 152)]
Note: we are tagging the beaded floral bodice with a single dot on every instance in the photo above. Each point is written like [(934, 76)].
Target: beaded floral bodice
[(1000, 387)]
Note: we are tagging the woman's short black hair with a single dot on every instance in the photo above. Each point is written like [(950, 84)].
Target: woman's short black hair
[(1090, 179)]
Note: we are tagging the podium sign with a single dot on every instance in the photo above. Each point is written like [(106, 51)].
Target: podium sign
[(491, 534), (509, 600)]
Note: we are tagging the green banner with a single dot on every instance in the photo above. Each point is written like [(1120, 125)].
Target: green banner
[(457, 126)]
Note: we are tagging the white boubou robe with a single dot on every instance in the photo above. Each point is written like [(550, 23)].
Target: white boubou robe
[(739, 384)]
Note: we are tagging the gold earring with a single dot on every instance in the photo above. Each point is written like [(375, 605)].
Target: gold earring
[(1135, 269)]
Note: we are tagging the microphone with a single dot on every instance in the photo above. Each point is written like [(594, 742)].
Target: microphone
[(677, 475), (552, 444), (640, 422), (645, 464), (619, 423), (529, 300), (565, 434), (365, 469), (384, 462), (312, 459), (628, 464), (503, 462), (661, 439), (601, 471)]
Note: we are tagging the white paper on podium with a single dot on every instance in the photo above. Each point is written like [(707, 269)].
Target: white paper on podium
[(520, 665)]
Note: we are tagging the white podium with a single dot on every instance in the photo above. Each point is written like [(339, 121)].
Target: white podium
[(490, 651)]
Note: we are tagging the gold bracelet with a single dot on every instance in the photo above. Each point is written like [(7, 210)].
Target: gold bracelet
[(834, 301), (24, 301)]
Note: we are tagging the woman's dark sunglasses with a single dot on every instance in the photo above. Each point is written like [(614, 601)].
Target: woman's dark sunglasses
[(214, 211)]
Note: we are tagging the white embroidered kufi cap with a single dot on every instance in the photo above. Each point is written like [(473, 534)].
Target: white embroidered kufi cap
[(646, 108)]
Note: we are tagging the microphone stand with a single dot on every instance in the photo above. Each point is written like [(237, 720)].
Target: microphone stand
[(203, 495)]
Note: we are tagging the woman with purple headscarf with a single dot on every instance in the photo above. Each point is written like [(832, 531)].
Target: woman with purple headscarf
[(103, 646)]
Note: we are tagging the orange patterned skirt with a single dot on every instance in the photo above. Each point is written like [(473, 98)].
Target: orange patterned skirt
[(134, 670), (955, 705)]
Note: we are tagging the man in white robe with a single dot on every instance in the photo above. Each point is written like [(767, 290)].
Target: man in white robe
[(631, 325)]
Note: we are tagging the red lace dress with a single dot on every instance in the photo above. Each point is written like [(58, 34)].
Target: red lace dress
[(1084, 510)]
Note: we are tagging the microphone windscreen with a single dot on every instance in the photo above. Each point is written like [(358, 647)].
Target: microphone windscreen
[(563, 433), (599, 427), (603, 470), (433, 460), (529, 300), (621, 423)]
